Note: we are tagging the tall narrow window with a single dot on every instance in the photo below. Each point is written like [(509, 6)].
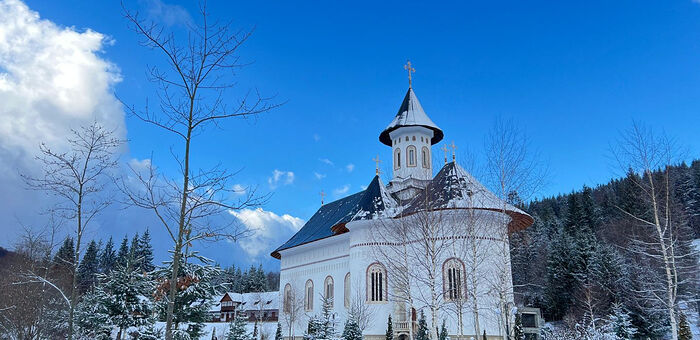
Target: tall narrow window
[(426, 157), (411, 156), (376, 283), (287, 298), (347, 291), (328, 290), (309, 296), (397, 158), (453, 279)]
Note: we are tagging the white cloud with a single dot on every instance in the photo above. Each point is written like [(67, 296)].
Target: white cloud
[(341, 191), (268, 230), (52, 79), (280, 177), (319, 176), (239, 189), (168, 14), (326, 161), (350, 167)]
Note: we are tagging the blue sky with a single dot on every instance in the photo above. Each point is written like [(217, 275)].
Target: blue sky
[(571, 74)]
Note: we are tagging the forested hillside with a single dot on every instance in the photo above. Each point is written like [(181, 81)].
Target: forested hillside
[(587, 257)]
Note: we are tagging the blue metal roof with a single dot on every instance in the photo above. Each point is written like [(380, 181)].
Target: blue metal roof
[(360, 206)]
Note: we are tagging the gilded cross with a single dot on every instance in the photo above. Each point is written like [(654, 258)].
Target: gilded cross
[(444, 152), (410, 70), (377, 161), (323, 194), (454, 148)]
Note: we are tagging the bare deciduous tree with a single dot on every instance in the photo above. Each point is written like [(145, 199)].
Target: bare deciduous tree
[(78, 178), (292, 307), (360, 311), (515, 173), (191, 91), (640, 152)]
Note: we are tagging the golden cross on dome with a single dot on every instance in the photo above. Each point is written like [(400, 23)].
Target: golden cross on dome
[(377, 161), (410, 70), (454, 148), (444, 151), (323, 194)]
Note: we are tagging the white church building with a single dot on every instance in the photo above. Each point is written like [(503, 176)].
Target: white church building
[(436, 244)]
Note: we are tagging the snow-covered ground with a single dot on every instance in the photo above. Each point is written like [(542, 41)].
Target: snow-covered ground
[(692, 315), (221, 328)]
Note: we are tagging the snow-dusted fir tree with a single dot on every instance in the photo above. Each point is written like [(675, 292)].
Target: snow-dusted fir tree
[(351, 331), (620, 323), (518, 333), (107, 257), (194, 288), (684, 332), (327, 325), (127, 297), (89, 267), (278, 332), (422, 332), (389, 329), (145, 252), (91, 318), (237, 329), (442, 335)]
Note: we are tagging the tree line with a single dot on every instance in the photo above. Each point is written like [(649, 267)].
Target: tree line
[(594, 253)]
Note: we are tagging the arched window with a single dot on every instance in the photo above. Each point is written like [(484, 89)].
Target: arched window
[(287, 303), (453, 279), (309, 296), (376, 283), (328, 290), (426, 157), (346, 291), (411, 156), (397, 158)]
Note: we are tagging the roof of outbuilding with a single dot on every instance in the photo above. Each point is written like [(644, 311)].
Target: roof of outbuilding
[(331, 218), (411, 114)]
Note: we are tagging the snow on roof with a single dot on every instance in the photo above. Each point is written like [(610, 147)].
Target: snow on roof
[(331, 218), (411, 114), (250, 301), (455, 188)]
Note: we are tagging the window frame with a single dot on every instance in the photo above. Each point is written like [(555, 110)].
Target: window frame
[(449, 267), (376, 293), (309, 296)]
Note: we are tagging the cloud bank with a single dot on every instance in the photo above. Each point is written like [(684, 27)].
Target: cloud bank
[(268, 229)]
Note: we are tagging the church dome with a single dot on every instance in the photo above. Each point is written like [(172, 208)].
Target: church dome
[(411, 114)]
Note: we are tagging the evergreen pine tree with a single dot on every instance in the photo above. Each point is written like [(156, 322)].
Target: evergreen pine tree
[(196, 288), (91, 316), (123, 253), (255, 329), (107, 257), (351, 331), (620, 324), (518, 333), (484, 337), (135, 252), (327, 326), (146, 252), (66, 254), (88, 268), (129, 294), (422, 333), (237, 329), (389, 329), (443, 331), (237, 281), (684, 332), (278, 332)]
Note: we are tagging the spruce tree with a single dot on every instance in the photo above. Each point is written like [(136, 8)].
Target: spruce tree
[(684, 332), (88, 268), (327, 326), (66, 254), (129, 293), (146, 252), (237, 329), (107, 257), (442, 335), (91, 316), (255, 329), (195, 290), (135, 252), (123, 253), (518, 333), (278, 332), (352, 331), (422, 333), (620, 324), (389, 329), (484, 337)]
